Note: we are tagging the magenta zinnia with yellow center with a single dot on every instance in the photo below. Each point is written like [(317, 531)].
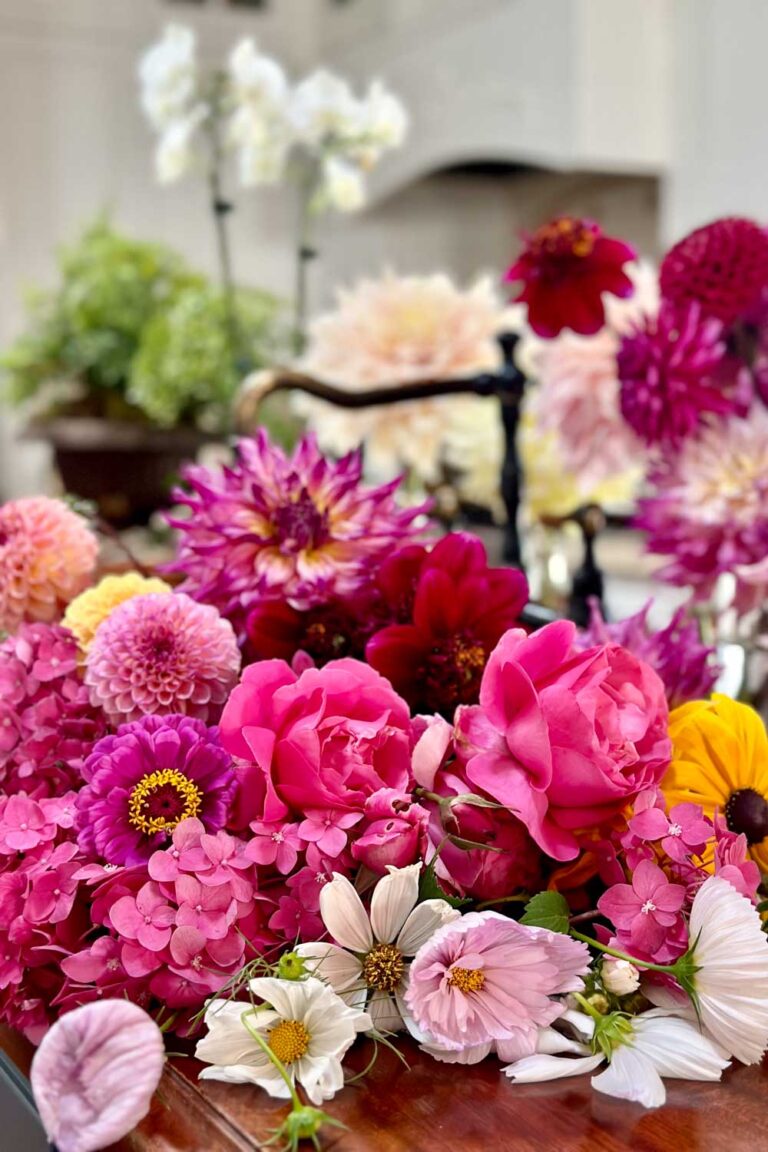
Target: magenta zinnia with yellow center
[(160, 653), (147, 778), (301, 527)]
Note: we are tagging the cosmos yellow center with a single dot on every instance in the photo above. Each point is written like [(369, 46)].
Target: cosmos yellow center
[(466, 979), (383, 967), (289, 1040), (161, 800)]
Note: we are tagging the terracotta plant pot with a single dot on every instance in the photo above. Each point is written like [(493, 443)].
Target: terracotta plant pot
[(127, 470)]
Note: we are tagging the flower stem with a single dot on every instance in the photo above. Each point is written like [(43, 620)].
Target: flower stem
[(669, 968), (221, 208), (305, 253), (295, 1098)]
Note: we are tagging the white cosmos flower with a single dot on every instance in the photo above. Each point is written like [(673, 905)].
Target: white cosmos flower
[(175, 153), (168, 76), (368, 967), (730, 952), (307, 1026), (655, 1045)]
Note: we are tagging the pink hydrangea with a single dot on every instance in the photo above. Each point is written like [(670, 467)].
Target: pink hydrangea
[(647, 914), (47, 557), (47, 722), (561, 738), (487, 980), (159, 654)]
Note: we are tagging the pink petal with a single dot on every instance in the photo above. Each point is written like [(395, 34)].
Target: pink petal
[(94, 1074)]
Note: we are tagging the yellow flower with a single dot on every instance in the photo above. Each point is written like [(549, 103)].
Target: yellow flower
[(92, 607), (720, 761)]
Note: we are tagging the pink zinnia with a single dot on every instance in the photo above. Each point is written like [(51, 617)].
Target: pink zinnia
[(674, 373), (486, 979), (145, 780), (708, 506), (722, 266), (301, 528), (565, 267), (47, 557), (162, 654)]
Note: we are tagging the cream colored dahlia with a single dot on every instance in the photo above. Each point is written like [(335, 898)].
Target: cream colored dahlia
[(392, 331), (47, 556), (88, 610)]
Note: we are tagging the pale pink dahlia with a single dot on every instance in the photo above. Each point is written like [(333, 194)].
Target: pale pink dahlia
[(674, 373), (159, 654), (302, 528), (708, 508), (47, 557)]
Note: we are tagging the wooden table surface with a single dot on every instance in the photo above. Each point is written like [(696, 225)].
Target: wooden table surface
[(435, 1107)]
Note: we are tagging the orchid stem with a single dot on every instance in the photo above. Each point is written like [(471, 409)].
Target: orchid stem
[(669, 968)]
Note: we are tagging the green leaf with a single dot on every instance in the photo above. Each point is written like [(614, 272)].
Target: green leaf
[(472, 801), (429, 888), (547, 910)]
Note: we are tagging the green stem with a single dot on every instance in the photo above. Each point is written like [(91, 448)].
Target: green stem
[(304, 255), (295, 1098), (669, 968), (221, 207)]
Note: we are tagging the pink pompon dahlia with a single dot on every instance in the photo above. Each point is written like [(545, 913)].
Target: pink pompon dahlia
[(708, 507), (302, 528), (688, 668), (47, 557), (145, 780), (565, 267), (485, 979), (162, 654), (47, 722), (723, 267), (674, 373)]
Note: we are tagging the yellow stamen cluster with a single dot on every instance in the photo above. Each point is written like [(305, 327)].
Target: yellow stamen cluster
[(289, 1040), (383, 967), (467, 979), (470, 658), (139, 814)]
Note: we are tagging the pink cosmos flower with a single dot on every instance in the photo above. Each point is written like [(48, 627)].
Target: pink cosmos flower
[(301, 528), (160, 654), (327, 739), (485, 979), (94, 1074), (564, 739), (646, 910)]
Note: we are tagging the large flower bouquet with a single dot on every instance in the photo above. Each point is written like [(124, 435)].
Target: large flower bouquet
[(331, 784)]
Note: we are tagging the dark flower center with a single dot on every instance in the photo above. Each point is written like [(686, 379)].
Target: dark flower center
[(563, 238), (453, 673), (747, 812), (161, 800), (300, 525), (383, 967)]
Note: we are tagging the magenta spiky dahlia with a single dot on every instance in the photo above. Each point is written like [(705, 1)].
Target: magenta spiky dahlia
[(722, 266), (301, 527), (158, 654), (674, 371), (708, 508), (146, 779), (47, 557)]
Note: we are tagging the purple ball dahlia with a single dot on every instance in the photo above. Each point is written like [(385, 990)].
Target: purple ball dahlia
[(146, 779), (708, 506), (673, 371), (722, 266), (302, 528), (160, 654)]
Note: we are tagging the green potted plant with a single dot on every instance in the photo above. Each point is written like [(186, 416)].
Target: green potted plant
[(129, 364)]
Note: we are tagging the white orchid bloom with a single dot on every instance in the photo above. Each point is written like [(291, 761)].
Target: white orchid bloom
[(168, 76)]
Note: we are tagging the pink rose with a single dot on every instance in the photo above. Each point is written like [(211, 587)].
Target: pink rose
[(327, 739), (564, 739), (394, 831)]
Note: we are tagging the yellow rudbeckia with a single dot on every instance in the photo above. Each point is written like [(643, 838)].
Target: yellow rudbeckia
[(720, 761)]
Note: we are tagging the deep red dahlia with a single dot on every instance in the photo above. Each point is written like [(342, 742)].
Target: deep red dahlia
[(723, 266), (455, 608), (565, 267)]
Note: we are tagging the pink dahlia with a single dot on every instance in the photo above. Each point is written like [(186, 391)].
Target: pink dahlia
[(47, 722), (708, 507), (47, 557), (162, 654), (485, 979), (687, 667), (674, 373), (723, 267), (565, 267), (145, 780), (301, 528)]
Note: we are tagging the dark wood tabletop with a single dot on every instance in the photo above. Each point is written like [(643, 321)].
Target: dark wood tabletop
[(433, 1107)]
